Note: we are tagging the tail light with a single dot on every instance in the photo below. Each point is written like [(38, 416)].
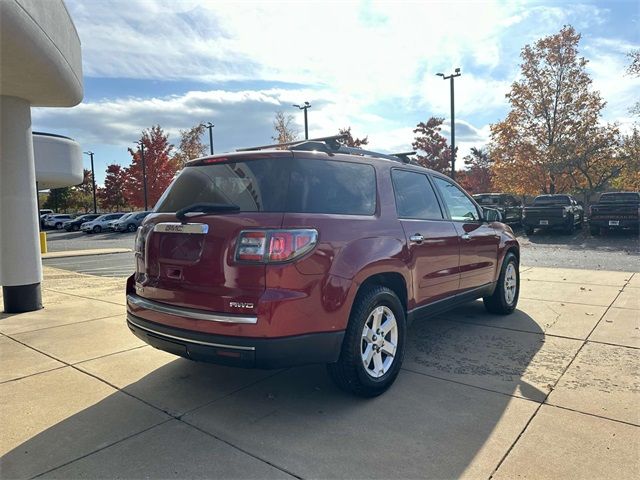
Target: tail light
[(270, 246), (141, 239)]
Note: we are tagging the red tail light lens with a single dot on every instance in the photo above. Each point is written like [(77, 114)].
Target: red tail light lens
[(266, 246)]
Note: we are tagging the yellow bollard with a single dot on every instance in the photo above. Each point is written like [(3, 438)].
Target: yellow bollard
[(43, 242)]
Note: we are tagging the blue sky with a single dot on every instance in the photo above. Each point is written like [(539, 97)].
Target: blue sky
[(368, 65)]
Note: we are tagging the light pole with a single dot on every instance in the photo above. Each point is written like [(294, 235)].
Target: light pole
[(93, 181), (144, 173), (210, 126), (453, 120), (305, 107)]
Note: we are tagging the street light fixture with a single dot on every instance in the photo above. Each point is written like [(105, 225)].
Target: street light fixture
[(453, 119), (305, 107), (210, 126), (93, 181), (140, 143)]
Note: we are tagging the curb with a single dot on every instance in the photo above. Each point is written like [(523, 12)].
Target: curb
[(84, 253)]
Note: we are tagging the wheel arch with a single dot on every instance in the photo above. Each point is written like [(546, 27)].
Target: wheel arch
[(394, 281)]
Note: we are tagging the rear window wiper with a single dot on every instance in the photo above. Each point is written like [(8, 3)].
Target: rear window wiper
[(203, 208)]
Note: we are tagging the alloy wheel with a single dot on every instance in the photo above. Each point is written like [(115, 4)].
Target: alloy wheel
[(379, 341)]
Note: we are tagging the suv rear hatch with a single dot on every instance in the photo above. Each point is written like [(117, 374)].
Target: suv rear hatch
[(190, 262)]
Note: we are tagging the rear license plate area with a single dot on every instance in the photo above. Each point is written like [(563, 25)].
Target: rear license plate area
[(614, 223), (544, 222), (181, 248)]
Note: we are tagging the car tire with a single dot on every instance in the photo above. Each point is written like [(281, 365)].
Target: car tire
[(131, 227), (374, 308), (505, 296), (529, 231), (58, 226), (76, 228), (97, 229)]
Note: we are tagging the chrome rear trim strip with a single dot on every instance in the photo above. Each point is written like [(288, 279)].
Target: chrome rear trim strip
[(187, 340), (188, 312)]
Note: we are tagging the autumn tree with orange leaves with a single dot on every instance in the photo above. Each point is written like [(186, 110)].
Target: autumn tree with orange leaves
[(431, 145), (112, 195), (159, 165), (191, 145), (629, 178), (551, 140), (350, 141), (478, 176)]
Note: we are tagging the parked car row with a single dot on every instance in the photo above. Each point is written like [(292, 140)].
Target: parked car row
[(614, 211), (93, 222)]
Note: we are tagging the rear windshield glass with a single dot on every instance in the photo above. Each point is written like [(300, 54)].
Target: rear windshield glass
[(487, 199), (276, 185), (254, 186), (622, 197), (559, 200)]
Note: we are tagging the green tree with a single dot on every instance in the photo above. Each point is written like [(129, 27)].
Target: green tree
[(59, 199)]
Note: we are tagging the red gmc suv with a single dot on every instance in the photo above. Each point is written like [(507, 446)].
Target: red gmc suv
[(315, 253)]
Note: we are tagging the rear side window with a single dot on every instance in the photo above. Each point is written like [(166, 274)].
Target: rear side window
[(255, 186), (324, 186), (415, 197)]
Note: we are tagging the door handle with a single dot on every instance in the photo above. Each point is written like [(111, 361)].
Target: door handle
[(416, 238), (465, 236)]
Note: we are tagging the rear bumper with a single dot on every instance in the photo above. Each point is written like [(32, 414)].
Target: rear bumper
[(551, 222), (239, 351), (623, 224)]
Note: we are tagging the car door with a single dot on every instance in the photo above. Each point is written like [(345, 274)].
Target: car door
[(478, 240), (432, 239)]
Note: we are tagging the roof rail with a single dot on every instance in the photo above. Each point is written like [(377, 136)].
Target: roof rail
[(331, 145), (331, 140)]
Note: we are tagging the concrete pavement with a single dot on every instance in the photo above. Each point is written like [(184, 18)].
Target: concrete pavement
[(551, 391)]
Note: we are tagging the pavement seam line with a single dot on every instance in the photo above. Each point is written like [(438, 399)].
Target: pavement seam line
[(86, 298), (32, 374), (545, 334), (457, 382), (102, 448), (65, 324), (564, 282), (593, 415), (555, 384)]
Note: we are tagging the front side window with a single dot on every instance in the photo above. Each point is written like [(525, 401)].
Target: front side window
[(415, 197), (461, 208)]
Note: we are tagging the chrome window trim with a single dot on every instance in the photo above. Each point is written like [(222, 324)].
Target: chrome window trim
[(188, 312), (187, 340)]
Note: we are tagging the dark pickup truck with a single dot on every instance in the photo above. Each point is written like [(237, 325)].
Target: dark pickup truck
[(510, 207), (615, 211), (553, 211)]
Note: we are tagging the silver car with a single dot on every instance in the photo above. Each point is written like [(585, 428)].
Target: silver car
[(129, 223)]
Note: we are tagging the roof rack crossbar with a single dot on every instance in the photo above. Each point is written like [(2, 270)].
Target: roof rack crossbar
[(333, 139), (331, 145)]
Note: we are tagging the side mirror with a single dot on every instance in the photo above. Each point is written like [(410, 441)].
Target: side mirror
[(492, 215)]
